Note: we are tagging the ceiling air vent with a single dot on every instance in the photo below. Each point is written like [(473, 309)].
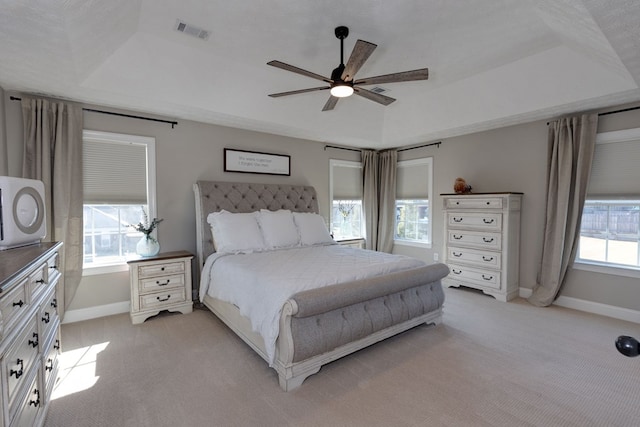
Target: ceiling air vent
[(191, 30), (378, 89)]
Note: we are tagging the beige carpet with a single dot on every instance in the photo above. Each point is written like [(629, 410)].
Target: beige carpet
[(488, 364)]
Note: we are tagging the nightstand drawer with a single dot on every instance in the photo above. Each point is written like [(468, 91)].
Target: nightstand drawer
[(162, 299), (162, 282), (160, 269)]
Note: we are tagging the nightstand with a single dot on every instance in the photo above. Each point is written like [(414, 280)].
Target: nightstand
[(354, 243), (161, 282)]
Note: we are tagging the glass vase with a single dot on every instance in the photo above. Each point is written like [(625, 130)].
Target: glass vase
[(147, 247)]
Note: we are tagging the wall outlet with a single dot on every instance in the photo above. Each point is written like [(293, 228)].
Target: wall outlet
[(436, 257)]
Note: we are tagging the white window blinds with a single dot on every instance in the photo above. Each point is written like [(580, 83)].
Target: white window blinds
[(412, 180), (115, 171), (347, 180), (614, 171)]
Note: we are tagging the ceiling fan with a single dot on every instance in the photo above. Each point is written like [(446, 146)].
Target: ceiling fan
[(342, 83)]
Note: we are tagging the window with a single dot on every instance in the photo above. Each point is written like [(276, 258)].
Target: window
[(346, 199), (119, 182), (610, 232), (413, 207)]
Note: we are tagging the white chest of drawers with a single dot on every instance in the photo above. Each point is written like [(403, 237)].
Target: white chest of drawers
[(29, 333), (161, 282), (482, 242)]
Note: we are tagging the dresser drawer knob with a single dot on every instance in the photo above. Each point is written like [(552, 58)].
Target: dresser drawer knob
[(487, 259), (162, 269), (47, 367), (456, 271), (46, 318), (457, 219), (457, 254), (163, 284), (19, 303), (34, 342), (19, 373), (487, 240), (488, 221), (54, 303), (40, 281), (163, 299), (457, 236), (487, 277), (57, 345)]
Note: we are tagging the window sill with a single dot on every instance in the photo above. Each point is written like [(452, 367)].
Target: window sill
[(607, 269), (104, 269), (412, 244)]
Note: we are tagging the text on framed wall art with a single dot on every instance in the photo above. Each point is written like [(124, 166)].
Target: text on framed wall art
[(256, 162)]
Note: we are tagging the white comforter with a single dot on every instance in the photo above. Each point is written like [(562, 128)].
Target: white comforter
[(260, 283)]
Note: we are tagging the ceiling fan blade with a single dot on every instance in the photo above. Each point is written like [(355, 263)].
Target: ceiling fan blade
[(331, 102), (361, 52), (295, 92), (375, 97), (297, 70), (404, 76)]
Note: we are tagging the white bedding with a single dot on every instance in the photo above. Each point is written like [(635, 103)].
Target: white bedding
[(260, 283)]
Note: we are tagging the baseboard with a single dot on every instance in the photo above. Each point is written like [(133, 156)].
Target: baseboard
[(591, 307), (81, 314)]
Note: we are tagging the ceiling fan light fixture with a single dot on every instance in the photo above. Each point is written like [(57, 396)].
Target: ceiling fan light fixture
[(341, 90)]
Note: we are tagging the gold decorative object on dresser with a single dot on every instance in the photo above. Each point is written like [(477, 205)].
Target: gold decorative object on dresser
[(29, 332), (160, 282), (482, 242)]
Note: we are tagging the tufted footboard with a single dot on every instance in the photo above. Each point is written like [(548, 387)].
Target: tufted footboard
[(321, 325)]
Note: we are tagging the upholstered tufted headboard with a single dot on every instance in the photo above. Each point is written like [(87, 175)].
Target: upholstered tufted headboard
[(213, 196)]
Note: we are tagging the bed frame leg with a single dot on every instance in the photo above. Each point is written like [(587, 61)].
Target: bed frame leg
[(295, 382)]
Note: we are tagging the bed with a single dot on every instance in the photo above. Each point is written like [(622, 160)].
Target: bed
[(314, 323)]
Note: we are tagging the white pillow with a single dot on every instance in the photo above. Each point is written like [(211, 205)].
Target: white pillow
[(235, 232), (312, 229), (278, 229)]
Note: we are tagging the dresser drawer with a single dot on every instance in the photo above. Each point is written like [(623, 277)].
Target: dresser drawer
[(50, 354), (160, 269), (29, 405), (161, 282), (162, 299), (48, 315), (478, 276), (13, 306), (38, 280), (476, 239), (474, 203), (484, 221), (20, 358), (474, 256)]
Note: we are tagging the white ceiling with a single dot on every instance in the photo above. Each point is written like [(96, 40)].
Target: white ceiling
[(492, 62)]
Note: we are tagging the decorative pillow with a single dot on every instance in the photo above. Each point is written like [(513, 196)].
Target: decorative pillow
[(278, 229), (312, 229), (235, 232)]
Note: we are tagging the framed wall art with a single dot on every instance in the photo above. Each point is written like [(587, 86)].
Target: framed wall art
[(256, 162)]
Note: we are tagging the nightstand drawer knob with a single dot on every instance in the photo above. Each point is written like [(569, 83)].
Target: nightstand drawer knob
[(163, 299)]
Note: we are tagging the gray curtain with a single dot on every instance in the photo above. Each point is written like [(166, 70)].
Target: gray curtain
[(379, 198), (570, 153), (53, 154)]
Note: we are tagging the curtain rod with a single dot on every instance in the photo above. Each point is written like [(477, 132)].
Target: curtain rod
[(401, 149), (131, 116), (606, 113)]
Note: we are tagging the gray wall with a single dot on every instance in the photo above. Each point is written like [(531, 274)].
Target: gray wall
[(507, 159)]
